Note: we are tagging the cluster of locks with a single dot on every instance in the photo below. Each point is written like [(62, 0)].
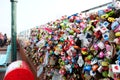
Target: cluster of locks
[(76, 47)]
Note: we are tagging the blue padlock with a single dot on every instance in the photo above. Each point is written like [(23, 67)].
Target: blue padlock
[(87, 68), (69, 17), (66, 61), (118, 58), (78, 21), (110, 6), (114, 25), (75, 14), (105, 24), (101, 12), (106, 36), (94, 61)]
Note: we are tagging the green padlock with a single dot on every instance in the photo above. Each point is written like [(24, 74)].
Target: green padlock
[(62, 63), (89, 57), (105, 74), (62, 24), (111, 13), (62, 39), (71, 32)]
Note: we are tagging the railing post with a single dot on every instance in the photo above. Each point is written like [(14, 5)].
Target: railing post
[(13, 30)]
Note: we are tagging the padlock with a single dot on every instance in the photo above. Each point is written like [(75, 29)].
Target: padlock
[(95, 46), (89, 57), (111, 13), (104, 63), (94, 67), (72, 18), (111, 19), (110, 6), (117, 40), (106, 36), (105, 24), (71, 32), (62, 39), (101, 12), (101, 54), (117, 34), (76, 47), (114, 25), (107, 10), (84, 52), (94, 61), (108, 47), (76, 14), (66, 61), (84, 49), (87, 68), (105, 16), (82, 25), (105, 74), (101, 45), (92, 73), (77, 20), (117, 29)]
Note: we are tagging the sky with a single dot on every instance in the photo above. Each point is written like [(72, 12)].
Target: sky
[(31, 13)]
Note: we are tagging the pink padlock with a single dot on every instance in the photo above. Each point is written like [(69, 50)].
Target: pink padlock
[(82, 24), (95, 46), (117, 40), (101, 54), (117, 29), (101, 45), (108, 47)]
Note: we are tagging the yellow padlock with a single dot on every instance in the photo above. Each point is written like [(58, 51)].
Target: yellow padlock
[(104, 63), (111, 19), (117, 34), (104, 16), (84, 52)]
